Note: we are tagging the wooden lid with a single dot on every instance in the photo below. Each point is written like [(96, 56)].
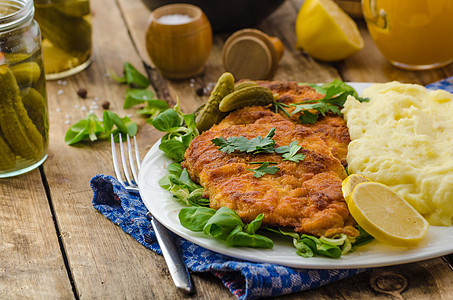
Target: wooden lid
[(251, 54)]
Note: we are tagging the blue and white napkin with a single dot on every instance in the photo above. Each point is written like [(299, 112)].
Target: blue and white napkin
[(246, 280)]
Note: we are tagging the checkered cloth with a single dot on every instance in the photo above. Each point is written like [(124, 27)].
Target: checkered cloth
[(246, 280), (445, 84)]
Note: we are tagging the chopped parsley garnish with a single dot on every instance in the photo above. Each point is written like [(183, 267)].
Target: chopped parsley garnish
[(260, 145), (335, 95), (242, 144)]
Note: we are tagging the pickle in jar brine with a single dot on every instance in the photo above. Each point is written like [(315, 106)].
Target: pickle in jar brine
[(24, 121), (66, 31), (18, 129), (36, 108)]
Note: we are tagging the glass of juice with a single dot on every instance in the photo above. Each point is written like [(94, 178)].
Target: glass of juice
[(66, 36), (412, 34)]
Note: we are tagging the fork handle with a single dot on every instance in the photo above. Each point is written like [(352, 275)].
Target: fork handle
[(176, 266)]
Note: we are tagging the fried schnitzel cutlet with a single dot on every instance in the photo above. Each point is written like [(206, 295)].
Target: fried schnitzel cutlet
[(305, 196), (332, 128)]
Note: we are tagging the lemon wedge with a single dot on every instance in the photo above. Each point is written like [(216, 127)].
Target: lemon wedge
[(326, 32), (348, 185), (385, 215)]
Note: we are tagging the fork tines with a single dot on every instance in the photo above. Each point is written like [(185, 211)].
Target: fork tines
[(133, 164)]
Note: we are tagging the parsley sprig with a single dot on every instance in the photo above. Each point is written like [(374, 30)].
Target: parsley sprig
[(290, 152), (335, 95), (260, 145), (264, 169), (242, 144)]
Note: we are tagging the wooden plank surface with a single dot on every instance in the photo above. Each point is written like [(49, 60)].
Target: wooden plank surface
[(31, 263)]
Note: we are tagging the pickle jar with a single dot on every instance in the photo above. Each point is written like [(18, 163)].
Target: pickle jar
[(66, 36), (23, 101)]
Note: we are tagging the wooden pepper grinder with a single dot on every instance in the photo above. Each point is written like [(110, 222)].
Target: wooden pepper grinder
[(252, 54)]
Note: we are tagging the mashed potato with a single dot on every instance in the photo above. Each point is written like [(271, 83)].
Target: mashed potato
[(403, 137)]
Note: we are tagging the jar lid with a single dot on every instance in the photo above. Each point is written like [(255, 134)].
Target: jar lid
[(252, 54)]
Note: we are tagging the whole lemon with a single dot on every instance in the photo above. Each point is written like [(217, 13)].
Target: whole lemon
[(326, 32)]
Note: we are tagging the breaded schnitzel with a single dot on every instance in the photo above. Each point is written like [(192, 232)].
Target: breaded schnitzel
[(331, 128), (305, 196)]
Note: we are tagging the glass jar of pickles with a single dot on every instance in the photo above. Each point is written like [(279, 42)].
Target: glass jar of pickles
[(23, 101), (66, 36)]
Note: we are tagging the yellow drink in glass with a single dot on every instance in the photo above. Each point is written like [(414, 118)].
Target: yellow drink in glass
[(412, 34)]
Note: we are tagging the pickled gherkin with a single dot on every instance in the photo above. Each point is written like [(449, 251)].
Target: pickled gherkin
[(70, 34), (26, 73), (18, 129), (74, 8), (7, 157), (11, 58), (23, 103), (36, 108), (209, 114)]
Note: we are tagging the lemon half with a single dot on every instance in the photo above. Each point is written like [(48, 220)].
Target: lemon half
[(326, 32), (385, 215)]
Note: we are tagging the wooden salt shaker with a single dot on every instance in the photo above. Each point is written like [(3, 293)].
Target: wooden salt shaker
[(180, 49), (252, 54)]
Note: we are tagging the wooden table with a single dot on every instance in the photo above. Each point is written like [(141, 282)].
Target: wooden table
[(55, 245)]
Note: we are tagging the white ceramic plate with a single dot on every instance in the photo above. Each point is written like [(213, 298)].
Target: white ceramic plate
[(438, 241)]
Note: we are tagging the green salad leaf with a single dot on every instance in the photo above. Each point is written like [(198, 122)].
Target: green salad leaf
[(152, 107), (224, 224), (132, 77), (179, 184), (309, 246), (91, 128), (180, 131)]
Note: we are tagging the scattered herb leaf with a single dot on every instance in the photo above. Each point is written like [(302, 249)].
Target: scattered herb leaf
[(152, 108), (91, 128), (131, 76), (281, 106), (290, 152), (264, 169), (308, 118), (335, 95)]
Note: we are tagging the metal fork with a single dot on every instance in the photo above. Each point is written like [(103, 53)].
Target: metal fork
[(172, 256)]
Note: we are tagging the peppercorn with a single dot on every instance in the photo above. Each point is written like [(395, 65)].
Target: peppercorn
[(105, 105), (82, 93), (199, 91)]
